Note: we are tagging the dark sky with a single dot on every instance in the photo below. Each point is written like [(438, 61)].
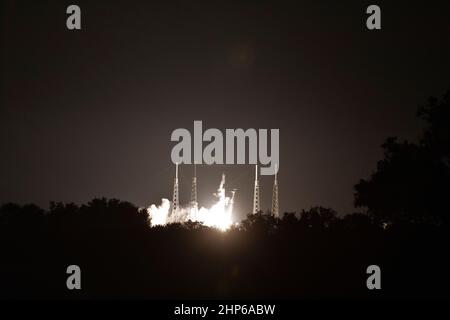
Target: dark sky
[(89, 113)]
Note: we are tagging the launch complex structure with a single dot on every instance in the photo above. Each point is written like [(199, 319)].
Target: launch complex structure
[(256, 195)]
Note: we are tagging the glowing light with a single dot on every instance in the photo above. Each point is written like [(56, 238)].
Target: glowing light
[(218, 216)]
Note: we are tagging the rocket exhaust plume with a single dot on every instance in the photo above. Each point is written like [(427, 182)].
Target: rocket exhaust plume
[(218, 216)]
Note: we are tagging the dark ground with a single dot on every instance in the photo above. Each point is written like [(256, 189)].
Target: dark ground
[(310, 257)]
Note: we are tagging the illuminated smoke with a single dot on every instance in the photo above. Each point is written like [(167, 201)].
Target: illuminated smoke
[(159, 214), (218, 216)]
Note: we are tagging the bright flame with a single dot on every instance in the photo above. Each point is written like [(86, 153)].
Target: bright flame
[(218, 216)]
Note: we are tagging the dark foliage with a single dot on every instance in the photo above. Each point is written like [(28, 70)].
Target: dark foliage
[(311, 254), (412, 182)]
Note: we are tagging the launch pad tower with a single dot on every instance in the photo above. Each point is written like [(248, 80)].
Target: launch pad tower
[(175, 198), (256, 192)]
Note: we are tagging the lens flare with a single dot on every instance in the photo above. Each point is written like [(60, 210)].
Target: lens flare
[(218, 216)]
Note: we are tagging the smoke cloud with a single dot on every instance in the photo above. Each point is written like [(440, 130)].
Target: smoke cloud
[(218, 216)]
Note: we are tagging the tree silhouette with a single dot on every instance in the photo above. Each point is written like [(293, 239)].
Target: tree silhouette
[(318, 217), (412, 182), (259, 223), (15, 216)]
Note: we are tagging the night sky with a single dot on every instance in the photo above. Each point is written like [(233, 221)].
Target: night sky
[(89, 113)]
